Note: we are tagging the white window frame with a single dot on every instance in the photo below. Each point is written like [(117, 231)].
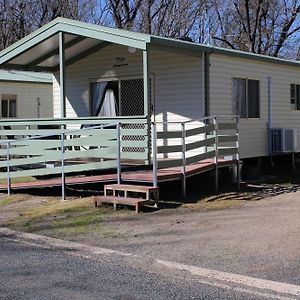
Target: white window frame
[(247, 96), (293, 107)]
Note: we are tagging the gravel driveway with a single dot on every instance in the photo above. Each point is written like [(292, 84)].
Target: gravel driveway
[(260, 238)]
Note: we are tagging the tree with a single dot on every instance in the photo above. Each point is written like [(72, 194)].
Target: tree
[(172, 18), (19, 17), (259, 26)]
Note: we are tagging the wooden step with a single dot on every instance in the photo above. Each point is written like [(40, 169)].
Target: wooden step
[(147, 190), (137, 202)]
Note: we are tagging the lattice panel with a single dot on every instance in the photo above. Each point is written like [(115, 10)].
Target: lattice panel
[(135, 138), (132, 97)]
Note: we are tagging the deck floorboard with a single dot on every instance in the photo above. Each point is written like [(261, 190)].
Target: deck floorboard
[(144, 176)]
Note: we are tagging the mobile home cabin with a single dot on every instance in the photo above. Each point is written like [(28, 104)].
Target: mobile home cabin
[(121, 96), (26, 95)]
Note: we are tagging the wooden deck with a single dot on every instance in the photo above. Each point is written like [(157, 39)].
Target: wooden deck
[(144, 176)]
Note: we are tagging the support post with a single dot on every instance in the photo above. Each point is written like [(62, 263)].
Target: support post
[(216, 154), (63, 178), (293, 161), (183, 138), (62, 74), (8, 169), (154, 154), (147, 110), (238, 171), (119, 170)]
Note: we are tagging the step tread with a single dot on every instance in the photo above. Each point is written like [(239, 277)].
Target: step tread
[(121, 200), (130, 187)]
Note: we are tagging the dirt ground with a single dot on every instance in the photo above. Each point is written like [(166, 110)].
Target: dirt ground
[(245, 233)]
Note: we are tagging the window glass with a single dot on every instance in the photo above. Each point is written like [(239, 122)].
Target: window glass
[(295, 96), (12, 108), (239, 97), (246, 97), (253, 99), (4, 108)]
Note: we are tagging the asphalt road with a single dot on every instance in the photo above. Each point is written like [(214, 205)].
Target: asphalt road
[(29, 271)]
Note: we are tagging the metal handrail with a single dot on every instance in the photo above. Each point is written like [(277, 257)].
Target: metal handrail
[(49, 121), (197, 120), (216, 147)]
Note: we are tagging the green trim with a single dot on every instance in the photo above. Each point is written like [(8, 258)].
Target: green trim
[(194, 47), (77, 120), (69, 44), (104, 36), (112, 35), (27, 82), (62, 74), (25, 77), (18, 48)]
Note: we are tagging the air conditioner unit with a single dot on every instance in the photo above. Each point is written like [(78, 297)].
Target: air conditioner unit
[(283, 140)]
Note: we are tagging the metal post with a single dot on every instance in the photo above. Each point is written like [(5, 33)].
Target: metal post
[(183, 137), (8, 169), (63, 179), (119, 153), (216, 154), (62, 74), (146, 80), (293, 161), (38, 107), (27, 135), (238, 171), (154, 153)]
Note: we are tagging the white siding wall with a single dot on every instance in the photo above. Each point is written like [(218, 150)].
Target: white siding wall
[(253, 132), (27, 94), (178, 88)]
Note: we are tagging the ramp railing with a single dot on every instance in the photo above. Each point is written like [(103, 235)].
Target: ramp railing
[(43, 151), (181, 144)]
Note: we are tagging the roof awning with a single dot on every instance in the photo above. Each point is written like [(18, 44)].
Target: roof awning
[(39, 51)]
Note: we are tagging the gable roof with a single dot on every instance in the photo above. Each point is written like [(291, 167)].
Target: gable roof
[(39, 50), (29, 77)]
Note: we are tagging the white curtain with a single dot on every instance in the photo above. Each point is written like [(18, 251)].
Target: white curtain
[(109, 105), (239, 97)]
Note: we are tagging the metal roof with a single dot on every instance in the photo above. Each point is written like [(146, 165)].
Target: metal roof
[(21, 76), (39, 50)]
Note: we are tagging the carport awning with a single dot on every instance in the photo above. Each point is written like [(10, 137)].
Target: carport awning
[(40, 50)]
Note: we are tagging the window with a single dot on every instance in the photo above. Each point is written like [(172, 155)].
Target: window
[(8, 106), (246, 97), (295, 96)]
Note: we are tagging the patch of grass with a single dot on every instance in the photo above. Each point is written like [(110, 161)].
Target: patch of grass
[(8, 200), (61, 219), (223, 201)]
